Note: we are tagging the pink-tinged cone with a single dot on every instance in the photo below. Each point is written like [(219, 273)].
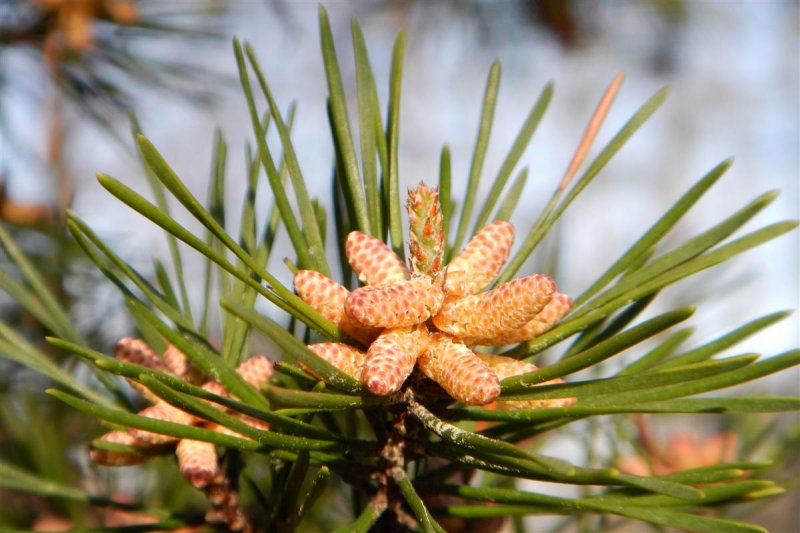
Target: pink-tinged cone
[(506, 367), (459, 371), (139, 353), (558, 306), (215, 387), (373, 262), (254, 422), (327, 298), (400, 305), (111, 458), (391, 358), (343, 356), (496, 312), (178, 364), (197, 461), (480, 261), (256, 371), (161, 411)]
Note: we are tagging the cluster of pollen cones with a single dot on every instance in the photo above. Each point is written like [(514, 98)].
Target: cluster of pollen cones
[(430, 316), (197, 460), (427, 317)]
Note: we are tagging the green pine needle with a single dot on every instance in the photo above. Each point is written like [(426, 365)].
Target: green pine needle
[(327, 433)]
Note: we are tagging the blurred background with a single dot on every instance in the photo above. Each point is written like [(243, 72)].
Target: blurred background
[(71, 70), (732, 66)]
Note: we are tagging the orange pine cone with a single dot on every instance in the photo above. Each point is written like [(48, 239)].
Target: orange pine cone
[(505, 367), (496, 312), (322, 293), (373, 262), (343, 356), (390, 306), (480, 261), (111, 458), (391, 358), (197, 461), (459, 371), (327, 298), (558, 306)]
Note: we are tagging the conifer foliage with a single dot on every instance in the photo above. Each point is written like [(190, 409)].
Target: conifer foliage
[(407, 388)]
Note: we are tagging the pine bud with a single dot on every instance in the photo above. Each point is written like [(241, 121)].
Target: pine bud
[(459, 371), (480, 261), (388, 306), (496, 312), (426, 237), (327, 298), (558, 306), (391, 358), (373, 262), (197, 461), (343, 356)]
